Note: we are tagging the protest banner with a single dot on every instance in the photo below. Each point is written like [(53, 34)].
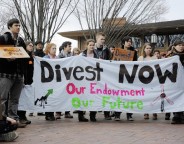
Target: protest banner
[(80, 83)]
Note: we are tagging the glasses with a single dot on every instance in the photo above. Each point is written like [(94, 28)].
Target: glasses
[(30, 45)]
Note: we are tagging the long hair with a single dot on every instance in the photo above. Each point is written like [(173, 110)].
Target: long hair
[(143, 48)]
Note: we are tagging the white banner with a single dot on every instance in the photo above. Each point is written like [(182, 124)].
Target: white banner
[(80, 83)]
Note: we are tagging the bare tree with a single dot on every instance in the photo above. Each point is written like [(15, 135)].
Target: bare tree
[(41, 19), (6, 13), (116, 18)]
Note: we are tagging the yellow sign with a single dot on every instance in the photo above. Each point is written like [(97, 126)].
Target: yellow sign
[(13, 52), (123, 55)]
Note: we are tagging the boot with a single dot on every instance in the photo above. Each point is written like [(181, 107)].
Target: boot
[(176, 120), (117, 116), (68, 115), (167, 116), (107, 115), (49, 116), (22, 117), (92, 116), (154, 116), (81, 117), (146, 116), (129, 117), (25, 121)]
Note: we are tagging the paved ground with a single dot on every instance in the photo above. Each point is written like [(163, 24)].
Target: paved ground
[(70, 131)]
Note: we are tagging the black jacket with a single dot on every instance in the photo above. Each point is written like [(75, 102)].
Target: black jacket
[(15, 66), (180, 54), (104, 53), (84, 53), (39, 53), (28, 69)]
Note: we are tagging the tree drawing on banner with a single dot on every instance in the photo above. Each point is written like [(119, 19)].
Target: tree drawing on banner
[(43, 99)]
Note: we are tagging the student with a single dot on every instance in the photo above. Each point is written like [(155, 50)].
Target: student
[(126, 43), (39, 49), (11, 72), (39, 52), (28, 78), (112, 49), (178, 49), (156, 53), (101, 52), (64, 51), (76, 51), (147, 55), (90, 52), (50, 52)]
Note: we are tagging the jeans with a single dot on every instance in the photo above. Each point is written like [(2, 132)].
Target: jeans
[(10, 90)]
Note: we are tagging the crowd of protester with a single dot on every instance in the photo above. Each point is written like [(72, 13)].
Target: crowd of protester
[(15, 73)]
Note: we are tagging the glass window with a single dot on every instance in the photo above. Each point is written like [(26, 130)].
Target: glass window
[(136, 42), (173, 38), (160, 40)]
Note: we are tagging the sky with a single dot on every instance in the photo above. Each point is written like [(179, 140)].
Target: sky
[(175, 12)]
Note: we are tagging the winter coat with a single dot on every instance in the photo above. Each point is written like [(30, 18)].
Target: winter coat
[(28, 69), (39, 53), (103, 53), (14, 67)]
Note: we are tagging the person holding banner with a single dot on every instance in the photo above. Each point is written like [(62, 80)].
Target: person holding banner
[(102, 52), (89, 52), (50, 52), (39, 52), (126, 43), (11, 72), (28, 78), (146, 55), (178, 49), (64, 51)]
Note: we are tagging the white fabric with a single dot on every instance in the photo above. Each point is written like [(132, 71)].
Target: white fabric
[(109, 90)]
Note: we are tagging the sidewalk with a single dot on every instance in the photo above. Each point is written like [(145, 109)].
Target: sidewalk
[(70, 131)]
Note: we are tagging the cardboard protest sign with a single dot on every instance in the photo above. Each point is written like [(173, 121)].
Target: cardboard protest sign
[(13, 52), (123, 55)]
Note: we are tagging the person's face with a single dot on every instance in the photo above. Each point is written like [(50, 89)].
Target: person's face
[(29, 47), (100, 40), (53, 50), (148, 50), (157, 54), (179, 48), (68, 48), (15, 28), (91, 46), (39, 46), (128, 43), (112, 49), (75, 53)]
